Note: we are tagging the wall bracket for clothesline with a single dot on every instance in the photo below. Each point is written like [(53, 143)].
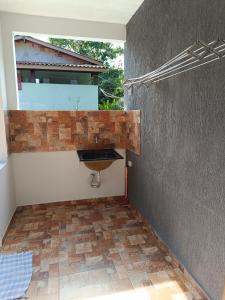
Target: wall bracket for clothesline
[(195, 56)]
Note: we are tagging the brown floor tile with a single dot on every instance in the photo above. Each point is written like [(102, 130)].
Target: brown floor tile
[(95, 250)]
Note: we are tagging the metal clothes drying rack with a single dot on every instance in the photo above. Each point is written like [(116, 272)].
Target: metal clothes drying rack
[(193, 57)]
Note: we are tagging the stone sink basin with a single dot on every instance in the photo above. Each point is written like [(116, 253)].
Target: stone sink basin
[(98, 159)]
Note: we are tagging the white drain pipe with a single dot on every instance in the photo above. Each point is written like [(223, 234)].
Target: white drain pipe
[(95, 180)]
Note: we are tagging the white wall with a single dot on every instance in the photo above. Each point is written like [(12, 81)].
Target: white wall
[(58, 176), (16, 23), (49, 96), (7, 199), (3, 105), (47, 177), (3, 100)]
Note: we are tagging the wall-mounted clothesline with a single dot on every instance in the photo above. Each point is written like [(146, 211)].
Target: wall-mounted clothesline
[(196, 55)]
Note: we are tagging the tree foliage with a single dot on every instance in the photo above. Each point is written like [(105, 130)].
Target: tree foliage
[(112, 105), (104, 52), (110, 81)]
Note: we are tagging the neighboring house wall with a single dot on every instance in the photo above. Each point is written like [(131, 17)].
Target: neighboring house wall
[(63, 95), (58, 97), (178, 181), (31, 52), (59, 76), (52, 27)]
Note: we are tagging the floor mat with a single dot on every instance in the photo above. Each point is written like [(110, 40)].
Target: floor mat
[(15, 274)]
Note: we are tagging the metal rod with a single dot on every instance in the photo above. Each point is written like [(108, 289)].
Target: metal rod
[(179, 56), (183, 64), (143, 76), (189, 57), (194, 67), (180, 66)]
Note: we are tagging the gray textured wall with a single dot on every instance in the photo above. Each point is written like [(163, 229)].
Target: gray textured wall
[(178, 182)]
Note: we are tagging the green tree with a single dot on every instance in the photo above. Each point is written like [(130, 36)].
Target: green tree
[(110, 81)]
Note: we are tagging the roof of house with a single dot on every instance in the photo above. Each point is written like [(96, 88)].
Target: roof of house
[(58, 66), (88, 65)]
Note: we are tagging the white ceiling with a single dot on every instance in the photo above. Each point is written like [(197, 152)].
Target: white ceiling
[(110, 11)]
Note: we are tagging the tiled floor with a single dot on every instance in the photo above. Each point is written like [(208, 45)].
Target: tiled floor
[(100, 250)]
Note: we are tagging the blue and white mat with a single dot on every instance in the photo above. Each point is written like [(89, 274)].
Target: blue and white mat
[(15, 275)]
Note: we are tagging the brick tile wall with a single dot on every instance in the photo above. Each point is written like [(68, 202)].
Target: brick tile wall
[(31, 131)]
